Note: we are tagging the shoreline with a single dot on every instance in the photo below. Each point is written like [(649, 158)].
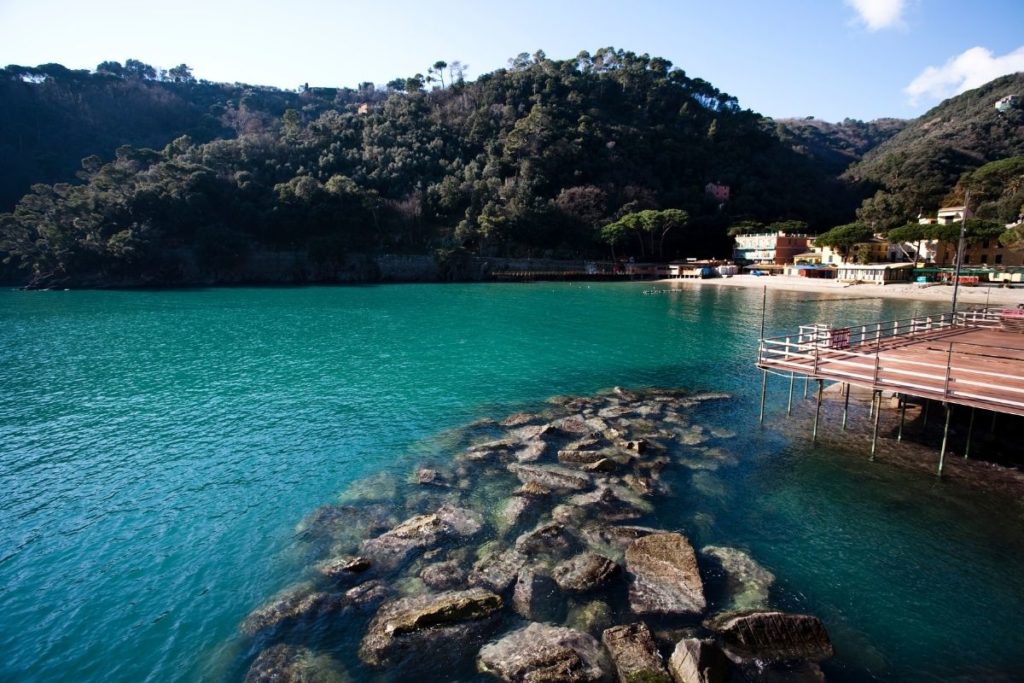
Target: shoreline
[(994, 296)]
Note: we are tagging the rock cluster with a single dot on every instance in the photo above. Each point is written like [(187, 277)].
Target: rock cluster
[(529, 554)]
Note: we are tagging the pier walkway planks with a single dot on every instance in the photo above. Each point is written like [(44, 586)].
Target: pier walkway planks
[(968, 360)]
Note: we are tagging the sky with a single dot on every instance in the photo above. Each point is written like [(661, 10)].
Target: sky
[(832, 59)]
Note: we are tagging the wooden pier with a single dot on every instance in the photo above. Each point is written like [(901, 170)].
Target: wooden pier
[(973, 359)]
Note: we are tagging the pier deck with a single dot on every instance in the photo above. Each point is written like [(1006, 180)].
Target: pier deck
[(970, 359)]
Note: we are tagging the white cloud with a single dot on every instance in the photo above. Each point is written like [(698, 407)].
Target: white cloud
[(967, 70), (879, 14)]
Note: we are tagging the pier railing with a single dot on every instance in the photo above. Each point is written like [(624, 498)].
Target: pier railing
[(918, 355)]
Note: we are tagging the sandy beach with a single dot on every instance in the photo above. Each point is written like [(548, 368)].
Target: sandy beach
[(968, 296)]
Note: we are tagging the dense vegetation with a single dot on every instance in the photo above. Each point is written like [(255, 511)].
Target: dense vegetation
[(835, 146), (917, 170), (533, 159)]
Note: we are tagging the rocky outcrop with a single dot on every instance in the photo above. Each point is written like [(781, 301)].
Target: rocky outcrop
[(635, 654), (429, 628), (585, 572), (552, 540), (698, 661), (772, 636), (540, 653), (665, 577)]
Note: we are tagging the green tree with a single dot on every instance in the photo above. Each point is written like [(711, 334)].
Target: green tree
[(843, 238)]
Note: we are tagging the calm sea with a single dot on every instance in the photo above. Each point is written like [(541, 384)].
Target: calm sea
[(157, 450)]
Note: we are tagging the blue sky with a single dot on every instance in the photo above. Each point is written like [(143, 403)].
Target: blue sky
[(828, 58)]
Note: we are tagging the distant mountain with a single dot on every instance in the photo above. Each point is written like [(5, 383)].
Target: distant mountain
[(917, 168), (835, 146)]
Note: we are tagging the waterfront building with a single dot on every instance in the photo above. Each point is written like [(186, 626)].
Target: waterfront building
[(765, 248)]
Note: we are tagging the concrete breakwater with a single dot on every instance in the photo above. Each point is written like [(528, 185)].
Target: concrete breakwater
[(528, 550)]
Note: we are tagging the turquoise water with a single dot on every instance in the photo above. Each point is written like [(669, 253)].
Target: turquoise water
[(158, 449)]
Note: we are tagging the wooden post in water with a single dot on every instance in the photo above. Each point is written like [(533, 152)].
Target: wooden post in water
[(945, 438), (871, 410), (903, 416), (817, 412), (924, 420), (807, 380), (846, 405), (789, 406), (764, 390), (874, 431), (970, 431)]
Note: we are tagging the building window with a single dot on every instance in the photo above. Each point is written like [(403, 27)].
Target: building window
[(999, 258), (984, 258), (967, 259), (984, 245)]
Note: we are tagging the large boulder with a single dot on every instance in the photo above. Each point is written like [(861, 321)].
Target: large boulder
[(498, 570), (552, 540), (584, 572), (665, 577), (536, 597), (635, 654), (698, 661), (442, 576), (552, 477), (540, 653), (772, 636), (393, 548), (344, 570), (437, 628), (612, 503), (284, 663), (302, 603)]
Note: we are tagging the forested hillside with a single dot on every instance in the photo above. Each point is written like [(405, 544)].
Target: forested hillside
[(533, 159), (53, 117), (918, 168), (835, 146)]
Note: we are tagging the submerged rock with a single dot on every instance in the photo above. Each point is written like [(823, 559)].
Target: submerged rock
[(530, 451), (539, 653), (429, 628), (536, 597), (592, 617), (698, 661), (284, 663), (612, 541), (514, 510), (299, 603), (497, 570), (343, 569), (553, 540), (585, 572), (417, 534), (665, 577), (443, 576), (772, 636), (551, 477), (612, 503), (635, 654), (749, 582)]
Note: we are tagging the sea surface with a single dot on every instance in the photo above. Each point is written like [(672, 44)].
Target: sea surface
[(158, 449)]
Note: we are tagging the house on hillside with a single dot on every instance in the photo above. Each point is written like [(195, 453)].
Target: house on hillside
[(768, 248), (947, 215), (1005, 104), (717, 192)]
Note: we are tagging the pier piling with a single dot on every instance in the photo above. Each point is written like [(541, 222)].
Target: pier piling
[(817, 412), (789, 405), (877, 395), (903, 417), (945, 438), (764, 390), (970, 431), (846, 405)]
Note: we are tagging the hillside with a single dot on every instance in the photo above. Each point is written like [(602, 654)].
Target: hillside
[(835, 146), (920, 165), (529, 160), (54, 117)]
